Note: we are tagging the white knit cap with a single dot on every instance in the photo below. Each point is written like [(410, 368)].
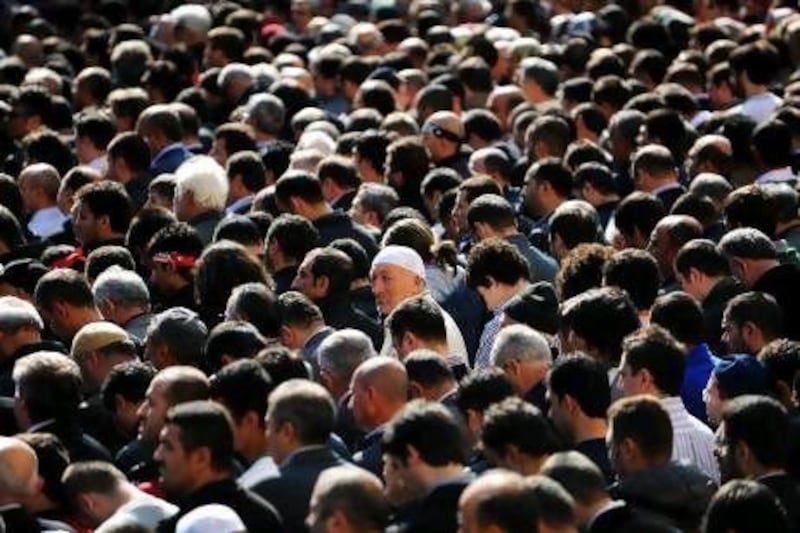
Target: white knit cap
[(401, 256), (212, 518)]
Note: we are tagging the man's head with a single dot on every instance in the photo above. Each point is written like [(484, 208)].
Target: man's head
[(298, 192), (347, 499), (339, 355), (496, 269), (289, 239), (442, 134), (670, 233), (740, 375), (698, 266), (160, 127), (539, 79), (120, 294), (581, 478), (65, 301), (98, 347), (379, 389), (176, 336), (48, 386), (548, 183), (653, 362), (372, 203), (38, 185), (750, 321), (300, 414), (170, 387), (653, 166), (579, 393), (20, 324), (123, 391), (477, 392), (523, 354), (745, 505), (397, 273), (429, 376), (300, 318), (498, 501), (19, 479), (195, 447), (416, 323), (173, 252), (201, 187), (94, 488), (491, 215), (748, 252), (639, 435), (324, 274), (102, 211)]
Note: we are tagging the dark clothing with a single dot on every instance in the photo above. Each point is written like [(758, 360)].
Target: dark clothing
[(290, 492), (459, 162), (339, 313), (309, 350), (138, 190), (346, 427), (81, 447), (16, 519), (714, 305), (257, 514), (669, 195), (369, 453), (542, 266), (606, 211), (205, 224), (791, 235), (89, 247), (345, 201), (468, 310), (625, 518), (364, 300), (699, 364), (132, 458), (788, 492), (99, 423), (597, 451), (168, 161), (783, 283), (438, 510), (539, 235), (537, 396), (183, 298), (7, 365), (283, 279), (675, 493), (338, 225)]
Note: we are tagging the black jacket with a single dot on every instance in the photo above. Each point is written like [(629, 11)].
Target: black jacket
[(283, 279), (626, 518), (783, 283), (255, 512), (81, 447), (290, 492), (339, 225), (339, 313), (788, 492), (438, 510), (369, 454)]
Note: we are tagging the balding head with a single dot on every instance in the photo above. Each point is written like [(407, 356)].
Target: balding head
[(672, 232), (18, 470), (482, 499), (39, 185), (354, 494), (380, 389), (182, 384), (29, 49)]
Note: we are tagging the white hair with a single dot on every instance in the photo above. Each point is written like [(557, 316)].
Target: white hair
[(522, 343), (16, 312), (205, 179), (135, 47), (44, 77), (316, 140), (122, 287), (234, 71)]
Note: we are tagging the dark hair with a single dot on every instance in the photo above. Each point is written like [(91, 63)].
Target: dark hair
[(295, 309), (99, 129), (237, 339), (356, 253), (482, 388), (282, 365), (299, 184), (204, 424), (703, 255), (575, 222), (585, 380), (228, 40), (582, 269), (421, 316), (512, 511), (681, 315), (638, 211), (257, 304), (129, 380), (762, 424), (428, 368), (50, 384), (10, 230), (578, 474), (483, 124), (431, 429), (223, 267), (108, 198), (477, 186), (781, 357), (180, 238), (339, 169), (240, 229), (47, 146), (760, 61), (654, 349), (63, 285), (492, 209), (243, 375), (100, 259), (335, 265), (295, 235), (554, 172), (745, 506), (249, 166), (307, 406), (758, 308), (750, 206), (516, 422), (643, 420), (497, 259), (635, 272), (371, 145), (52, 459)]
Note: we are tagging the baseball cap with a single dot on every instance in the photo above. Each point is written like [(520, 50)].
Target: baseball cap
[(400, 256), (22, 274), (96, 336)]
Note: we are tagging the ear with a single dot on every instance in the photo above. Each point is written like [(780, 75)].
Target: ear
[(86, 503), (200, 457), (288, 336), (646, 379), (323, 283), (226, 360), (628, 449), (60, 309), (120, 403), (415, 390), (371, 218), (296, 204)]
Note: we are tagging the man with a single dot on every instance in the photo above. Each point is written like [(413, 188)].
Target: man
[(711, 154), (753, 259), (106, 500), (300, 193), (398, 273), (703, 273), (418, 323), (93, 133), (653, 362), (66, 302), (20, 480), (498, 272), (170, 387), (579, 396), (379, 391), (754, 66), (598, 187), (773, 151), (340, 181), (548, 184), (19, 277), (738, 376), (539, 80), (201, 193), (348, 499), (744, 505), (371, 204), (195, 451), (498, 501), (176, 336), (173, 252), (492, 216), (300, 419), (751, 321), (247, 411), (129, 164), (525, 357), (123, 298), (101, 215), (48, 394), (443, 137), (429, 378), (670, 233), (640, 446), (423, 455), (38, 185), (266, 114), (517, 436), (654, 171), (753, 445), (160, 127), (288, 240), (302, 326), (246, 176), (122, 392)]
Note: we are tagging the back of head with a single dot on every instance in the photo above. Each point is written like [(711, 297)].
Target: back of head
[(521, 343), (745, 506), (747, 243), (516, 423), (646, 423), (585, 380), (428, 369), (577, 474), (758, 422), (430, 429), (681, 315), (89, 477), (183, 384), (49, 384), (504, 501), (655, 350), (343, 351), (307, 406), (636, 272), (182, 332), (205, 180), (204, 424), (354, 492), (759, 309), (63, 285), (482, 388)]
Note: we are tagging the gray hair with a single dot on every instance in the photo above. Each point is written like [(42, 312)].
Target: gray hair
[(747, 243), (122, 287), (234, 71), (266, 113), (182, 331), (378, 198), (712, 185), (522, 343), (205, 179), (541, 71), (343, 351), (307, 406), (16, 313)]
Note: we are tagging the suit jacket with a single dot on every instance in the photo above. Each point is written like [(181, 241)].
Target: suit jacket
[(669, 195), (714, 306), (369, 455), (625, 519), (169, 159), (788, 492), (339, 225), (255, 512), (783, 283), (438, 510), (81, 447), (290, 491)]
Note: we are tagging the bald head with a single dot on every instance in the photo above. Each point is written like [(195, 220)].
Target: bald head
[(39, 185), (18, 469), (386, 375), (182, 384)]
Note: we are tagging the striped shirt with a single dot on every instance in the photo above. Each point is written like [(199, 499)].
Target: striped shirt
[(692, 440)]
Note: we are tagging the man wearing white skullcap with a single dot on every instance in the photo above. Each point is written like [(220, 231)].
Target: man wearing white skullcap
[(398, 273)]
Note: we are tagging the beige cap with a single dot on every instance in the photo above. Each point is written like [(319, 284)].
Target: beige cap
[(95, 336), (444, 121)]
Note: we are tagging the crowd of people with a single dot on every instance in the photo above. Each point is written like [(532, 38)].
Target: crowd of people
[(413, 266)]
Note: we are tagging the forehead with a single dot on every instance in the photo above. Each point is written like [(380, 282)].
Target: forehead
[(391, 270)]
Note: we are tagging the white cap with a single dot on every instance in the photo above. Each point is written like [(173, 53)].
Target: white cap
[(212, 518), (401, 256), (193, 16)]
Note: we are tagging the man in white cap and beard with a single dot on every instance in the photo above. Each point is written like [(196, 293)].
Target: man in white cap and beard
[(398, 273)]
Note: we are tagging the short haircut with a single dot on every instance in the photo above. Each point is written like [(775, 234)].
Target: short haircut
[(336, 266), (50, 384), (298, 184), (492, 209), (512, 506), (128, 380), (578, 474), (266, 112), (781, 357), (355, 251), (240, 229), (295, 309), (681, 315), (602, 318), (249, 166), (585, 380), (514, 422), (99, 129), (552, 171), (282, 364), (63, 285), (762, 424), (180, 238), (204, 424), (235, 338), (635, 272), (307, 406), (758, 308), (638, 211), (101, 259), (575, 222), (87, 477), (643, 420), (430, 429), (339, 169), (482, 388), (556, 506), (16, 313), (110, 199), (496, 259), (164, 119), (295, 235), (257, 304), (745, 505), (654, 349), (751, 207), (343, 351), (205, 179), (356, 493), (243, 375), (428, 368), (182, 332), (420, 316), (124, 288), (543, 72), (747, 243), (519, 342), (703, 255), (377, 198), (759, 60)]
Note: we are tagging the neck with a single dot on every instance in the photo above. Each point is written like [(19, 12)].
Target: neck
[(512, 290), (126, 315), (759, 471), (313, 212), (706, 289), (22, 338), (83, 316), (256, 448), (589, 511), (590, 429), (439, 474), (532, 465), (207, 478)]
